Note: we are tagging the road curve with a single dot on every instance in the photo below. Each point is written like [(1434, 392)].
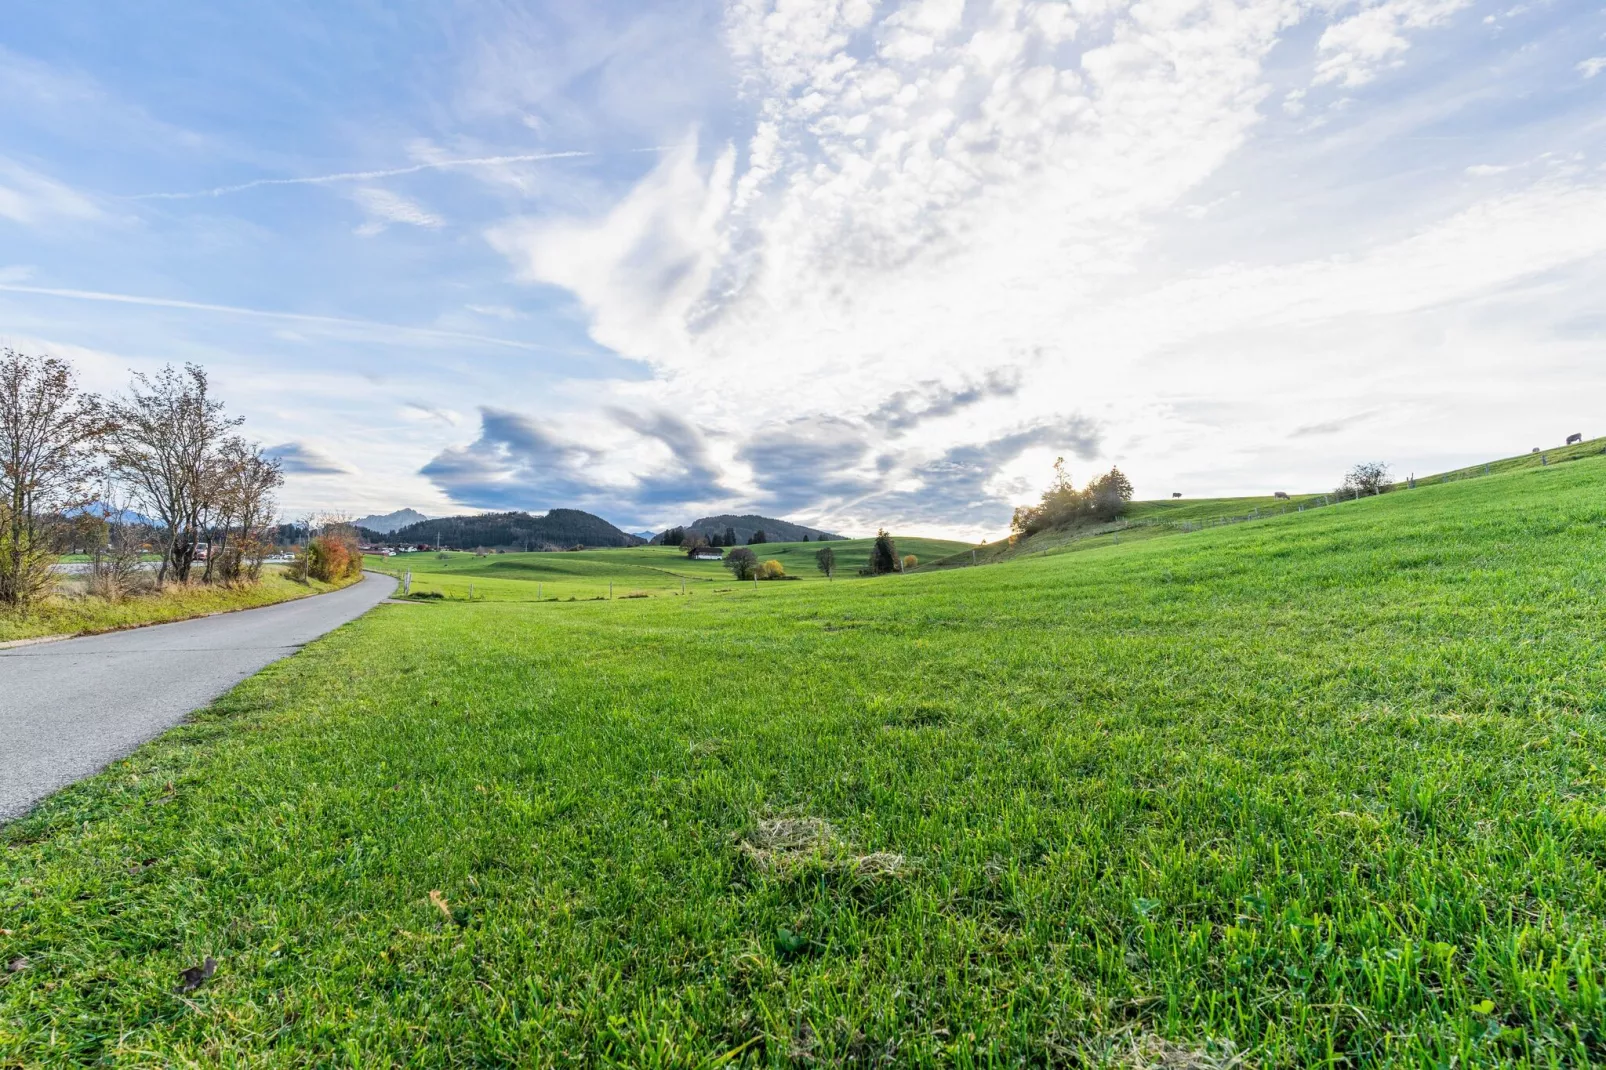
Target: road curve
[(68, 708)]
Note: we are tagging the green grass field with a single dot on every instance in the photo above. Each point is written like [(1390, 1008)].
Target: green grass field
[(79, 614), (1321, 789), (649, 570)]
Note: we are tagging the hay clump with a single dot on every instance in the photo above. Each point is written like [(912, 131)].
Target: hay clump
[(784, 845)]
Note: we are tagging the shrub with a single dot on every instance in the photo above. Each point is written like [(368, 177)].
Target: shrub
[(910, 561), (331, 557), (771, 570)]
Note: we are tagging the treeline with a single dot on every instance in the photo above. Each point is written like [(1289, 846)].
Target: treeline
[(749, 529), (692, 538), (159, 468), (558, 529), (1062, 505)]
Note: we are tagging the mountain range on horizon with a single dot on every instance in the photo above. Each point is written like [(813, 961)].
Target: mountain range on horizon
[(561, 528), (385, 523)]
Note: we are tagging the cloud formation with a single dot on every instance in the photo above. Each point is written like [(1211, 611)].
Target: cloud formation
[(517, 462), (385, 207), (28, 197), (1355, 48), (301, 459)]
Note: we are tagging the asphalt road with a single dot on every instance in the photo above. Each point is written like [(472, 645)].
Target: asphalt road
[(69, 708)]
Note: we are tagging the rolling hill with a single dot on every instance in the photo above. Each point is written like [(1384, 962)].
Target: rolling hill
[(774, 530), (557, 529), (1173, 516)]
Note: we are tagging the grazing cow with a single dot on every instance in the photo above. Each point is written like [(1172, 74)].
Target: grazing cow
[(1283, 494), (1575, 438), (1176, 494)]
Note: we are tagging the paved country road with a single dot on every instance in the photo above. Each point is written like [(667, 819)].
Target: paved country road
[(69, 708)]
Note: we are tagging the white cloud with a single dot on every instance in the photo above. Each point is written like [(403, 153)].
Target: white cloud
[(1353, 50), (501, 312), (384, 208), (642, 268), (440, 163), (29, 197), (1592, 66)]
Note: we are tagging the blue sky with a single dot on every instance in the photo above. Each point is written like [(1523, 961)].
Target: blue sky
[(851, 262)]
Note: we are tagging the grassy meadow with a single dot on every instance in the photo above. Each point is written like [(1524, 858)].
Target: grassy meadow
[(71, 612), (643, 570), (1323, 789)]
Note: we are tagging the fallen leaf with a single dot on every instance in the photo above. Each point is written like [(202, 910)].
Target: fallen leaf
[(440, 904), (18, 964), (191, 979)]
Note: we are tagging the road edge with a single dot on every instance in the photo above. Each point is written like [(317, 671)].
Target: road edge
[(13, 643)]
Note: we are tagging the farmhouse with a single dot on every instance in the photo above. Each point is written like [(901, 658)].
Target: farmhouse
[(707, 553)]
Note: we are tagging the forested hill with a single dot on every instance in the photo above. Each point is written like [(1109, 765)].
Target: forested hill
[(559, 529), (774, 530)]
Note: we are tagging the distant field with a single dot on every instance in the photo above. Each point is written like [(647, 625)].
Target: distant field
[(1324, 789), (650, 570)]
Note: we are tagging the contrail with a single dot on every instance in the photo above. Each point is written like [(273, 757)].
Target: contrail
[(360, 176), (292, 317)]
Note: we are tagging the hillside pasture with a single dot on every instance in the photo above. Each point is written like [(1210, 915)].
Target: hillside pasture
[(1319, 790)]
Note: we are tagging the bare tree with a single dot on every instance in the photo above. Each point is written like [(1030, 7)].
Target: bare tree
[(169, 431), (114, 563), (50, 433), (240, 506)]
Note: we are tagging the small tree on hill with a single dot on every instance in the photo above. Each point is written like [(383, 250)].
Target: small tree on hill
[(1364, 480), (674, 537), (741, 561), (758, 538), (1108, 494), (730, 537), (825, 561), (883, 555)]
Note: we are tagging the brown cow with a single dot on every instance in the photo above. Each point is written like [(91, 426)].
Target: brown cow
[(1575, 438)]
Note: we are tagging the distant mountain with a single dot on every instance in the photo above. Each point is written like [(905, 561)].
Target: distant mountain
[(774, 530), (102, 511), (559, 529), (645, 536), (389, 522)]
